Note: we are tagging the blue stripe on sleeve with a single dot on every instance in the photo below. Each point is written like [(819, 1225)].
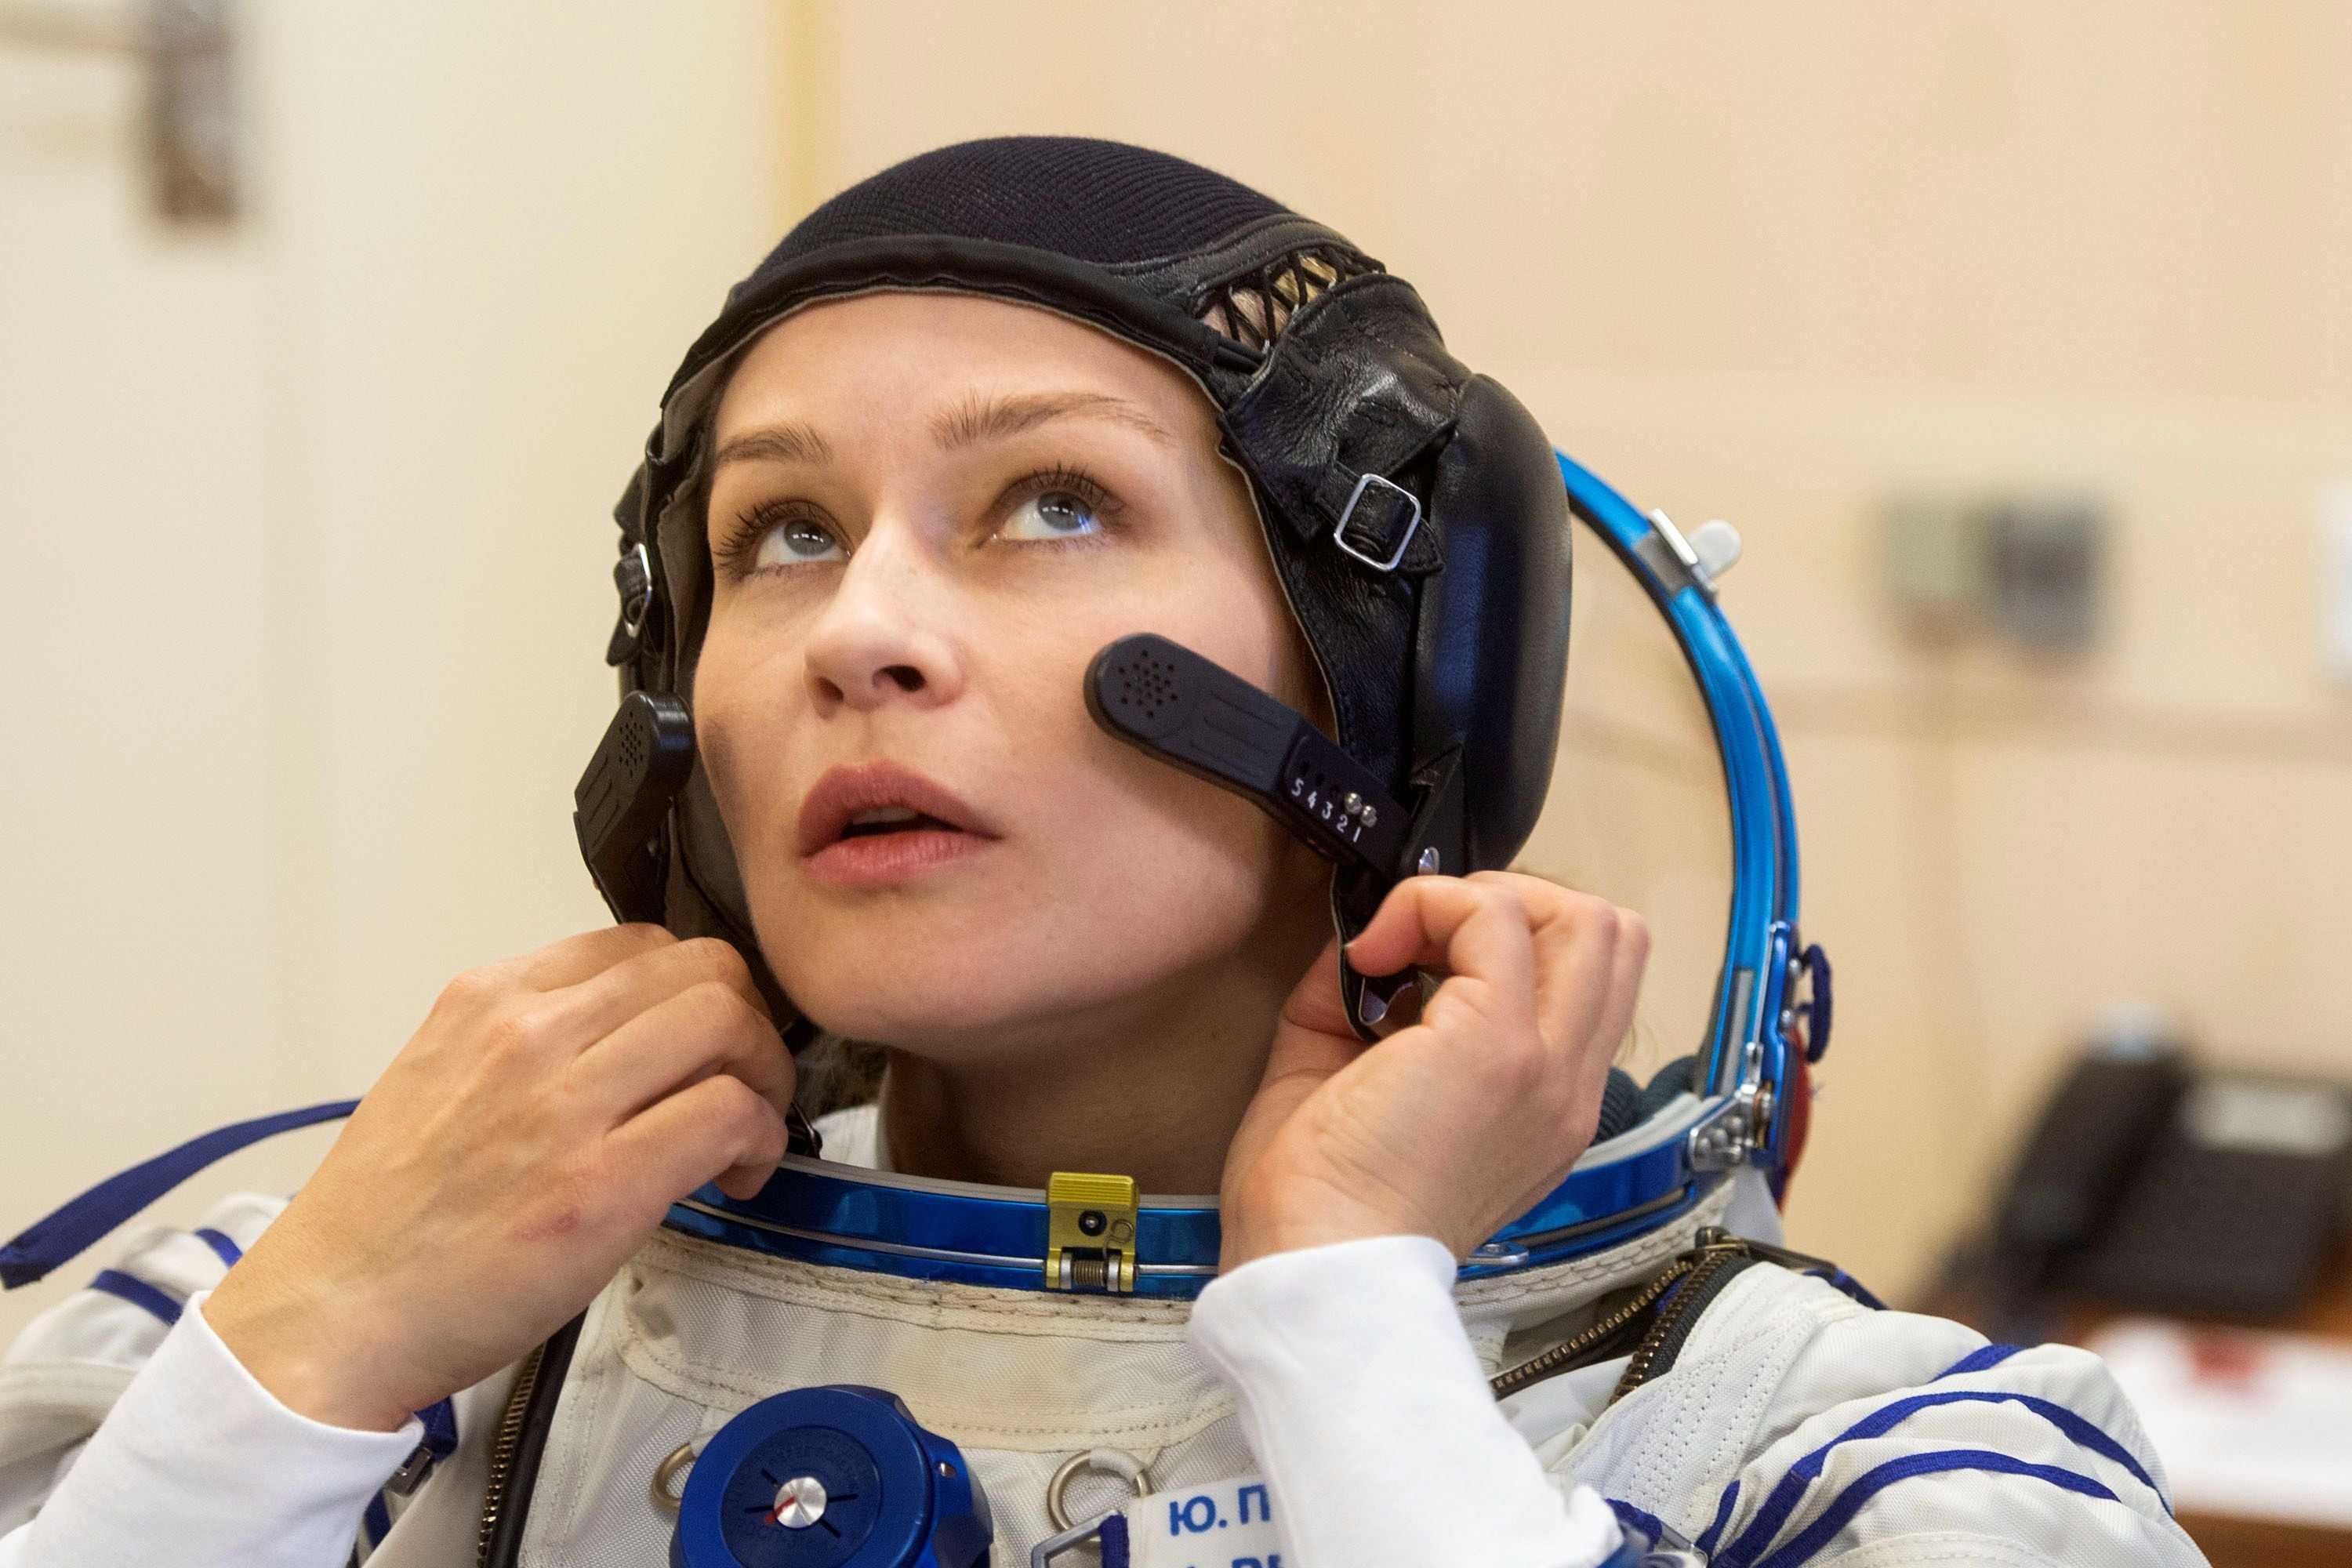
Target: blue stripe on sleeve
[(223, 1246), (1848, 1502), (138, 1293), (378, 1520), (440, 1419), (1784, 1498), (1706, 1542), (1977, 1360), (1631, 1519)]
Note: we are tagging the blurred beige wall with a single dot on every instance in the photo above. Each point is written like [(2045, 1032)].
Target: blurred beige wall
[(309, 527), (1780, 263)]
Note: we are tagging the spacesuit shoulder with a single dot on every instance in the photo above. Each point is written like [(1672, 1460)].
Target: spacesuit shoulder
[(1797, 1426), (65, 1371)]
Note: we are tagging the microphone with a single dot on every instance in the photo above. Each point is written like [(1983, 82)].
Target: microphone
[(642, 762), (1164, 698)]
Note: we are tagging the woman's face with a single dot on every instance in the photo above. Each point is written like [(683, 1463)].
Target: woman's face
[(928, 512)]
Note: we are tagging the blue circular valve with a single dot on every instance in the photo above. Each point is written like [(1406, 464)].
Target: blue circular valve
[(838, 1477)]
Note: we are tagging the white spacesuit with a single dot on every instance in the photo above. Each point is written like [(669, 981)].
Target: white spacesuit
[(858, 1369), (1788, 1424)]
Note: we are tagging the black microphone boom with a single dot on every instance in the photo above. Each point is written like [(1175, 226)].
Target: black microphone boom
[(1162, 698), (644, 760)]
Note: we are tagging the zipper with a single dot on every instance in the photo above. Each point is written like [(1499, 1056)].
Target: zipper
[(1718, 1254), (502, 1451), (1592, 1338), (1673, 1301)]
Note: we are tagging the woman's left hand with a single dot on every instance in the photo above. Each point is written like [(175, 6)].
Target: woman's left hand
[(1460, 1121)]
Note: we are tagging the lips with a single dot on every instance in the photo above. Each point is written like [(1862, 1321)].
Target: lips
[(880, 826)]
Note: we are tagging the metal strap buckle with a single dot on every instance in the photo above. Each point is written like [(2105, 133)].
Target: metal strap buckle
[(1045, 1552), (634, 578), (412, 1472), (1412, 527)]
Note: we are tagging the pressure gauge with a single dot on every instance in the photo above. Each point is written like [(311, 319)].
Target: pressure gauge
[(837, 1477)]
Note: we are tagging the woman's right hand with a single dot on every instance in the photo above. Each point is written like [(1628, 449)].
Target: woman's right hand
[(518, 1149)]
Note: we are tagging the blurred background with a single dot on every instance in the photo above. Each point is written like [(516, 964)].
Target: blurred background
[(2014, 338)]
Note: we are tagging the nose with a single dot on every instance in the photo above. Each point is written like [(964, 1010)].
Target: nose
[(879, 641)]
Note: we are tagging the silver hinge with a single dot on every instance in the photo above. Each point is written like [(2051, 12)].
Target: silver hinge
[(1090, 1227), (1728, 1135)]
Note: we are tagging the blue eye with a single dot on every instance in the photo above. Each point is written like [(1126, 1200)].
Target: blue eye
[(1056, 514), (797, 543)]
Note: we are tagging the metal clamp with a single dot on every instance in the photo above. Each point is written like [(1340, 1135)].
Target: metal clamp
[(1090, 1228), (1339, 529), (1722, 1139)]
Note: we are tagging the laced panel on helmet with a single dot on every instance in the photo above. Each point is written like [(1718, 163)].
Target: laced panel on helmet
[(1253, 308)]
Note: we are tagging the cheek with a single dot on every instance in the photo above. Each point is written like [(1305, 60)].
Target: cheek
[(1225, 602), (1138, 853), (743, 700), (1234, 615)]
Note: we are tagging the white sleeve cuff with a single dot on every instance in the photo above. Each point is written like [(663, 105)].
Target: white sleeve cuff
[(1368, 1410), (198, 1465)]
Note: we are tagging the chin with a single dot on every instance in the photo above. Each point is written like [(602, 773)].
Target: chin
[(955, 995)]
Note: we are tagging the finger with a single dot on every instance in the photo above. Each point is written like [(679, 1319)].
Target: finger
[(603, 1002), (705, 1029), (1577, 939), (1595, 1005), (1476, 931), (1578, 998), (719, 1130), (1315, 1004), (1632, 960), (500, 987), (589, 953)]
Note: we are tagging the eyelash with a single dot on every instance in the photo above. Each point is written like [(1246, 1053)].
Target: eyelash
[(1068, 479), (735, 551)]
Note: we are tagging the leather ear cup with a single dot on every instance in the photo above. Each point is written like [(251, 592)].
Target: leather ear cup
[(1491, 654)]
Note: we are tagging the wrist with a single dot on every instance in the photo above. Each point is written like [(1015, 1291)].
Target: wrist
[(294, 1350), (1247, 1239)]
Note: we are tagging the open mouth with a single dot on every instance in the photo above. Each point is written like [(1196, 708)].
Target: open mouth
[(893, 819), (881, 821)]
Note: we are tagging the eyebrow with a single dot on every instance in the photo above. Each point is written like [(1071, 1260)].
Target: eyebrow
[(997, 418), (786, 443), (980, 419)]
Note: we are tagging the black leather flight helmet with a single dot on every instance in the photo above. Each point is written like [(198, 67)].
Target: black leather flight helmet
[(1414, 513)]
